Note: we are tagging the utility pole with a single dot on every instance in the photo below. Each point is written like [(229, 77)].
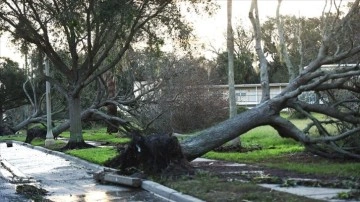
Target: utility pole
[(49, 135)]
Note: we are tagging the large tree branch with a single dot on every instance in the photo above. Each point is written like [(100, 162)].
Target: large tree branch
[(324, 109)]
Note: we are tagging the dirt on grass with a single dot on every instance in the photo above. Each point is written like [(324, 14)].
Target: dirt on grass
[(227, 181), (259, 172)]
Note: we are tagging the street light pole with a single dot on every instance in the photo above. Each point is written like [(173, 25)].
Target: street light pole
[(49, 135)]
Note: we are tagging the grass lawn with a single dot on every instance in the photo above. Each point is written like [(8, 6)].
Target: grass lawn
[(99, 135), (98, 155), (269, 149), (274, 149)]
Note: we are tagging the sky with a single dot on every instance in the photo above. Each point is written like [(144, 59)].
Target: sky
[(6, 49), (210, 31)]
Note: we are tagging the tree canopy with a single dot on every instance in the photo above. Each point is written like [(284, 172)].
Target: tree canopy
[(78, 37), (12, 79)]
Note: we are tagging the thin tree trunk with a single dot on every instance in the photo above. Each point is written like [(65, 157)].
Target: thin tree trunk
[(230, 46), (1, 117), (112, 126), (283, 50), (264, 75)]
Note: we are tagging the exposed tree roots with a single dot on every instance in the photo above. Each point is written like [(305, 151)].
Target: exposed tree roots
[(154, 155), (35, 133), (76, 145)]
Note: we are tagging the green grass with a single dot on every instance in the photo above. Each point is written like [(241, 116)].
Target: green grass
[(322, 167), (99, 135), (264, 137), (20, 138), (274, 150), (98, 155), (254, 156)]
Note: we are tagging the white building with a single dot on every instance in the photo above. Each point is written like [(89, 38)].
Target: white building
[(249, 95)]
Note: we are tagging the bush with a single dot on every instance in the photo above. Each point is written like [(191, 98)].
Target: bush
[(241, 109), (196, 112)]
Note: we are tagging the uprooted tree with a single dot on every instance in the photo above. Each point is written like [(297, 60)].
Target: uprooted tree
[(333, 75), (337, 86)]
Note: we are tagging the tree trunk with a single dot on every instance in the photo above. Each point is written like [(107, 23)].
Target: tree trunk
[(230, 46), (112, 126), (264, 75), (217, 135), (1, 117), (283, 50), (76, 138)]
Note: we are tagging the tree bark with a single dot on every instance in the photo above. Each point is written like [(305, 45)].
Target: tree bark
[(264, 75), (230, 46), (217, 135), (76, 139), (112, 126), (283, 50)]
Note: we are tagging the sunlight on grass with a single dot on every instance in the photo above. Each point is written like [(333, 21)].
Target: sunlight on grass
[(254, 156), (98, 155), (265, 137)]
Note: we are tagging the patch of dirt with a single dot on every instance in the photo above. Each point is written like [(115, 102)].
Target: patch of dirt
[(262, 174), (32, 192)]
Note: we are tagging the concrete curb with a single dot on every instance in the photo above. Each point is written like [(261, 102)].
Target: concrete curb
[(102, 176), (167, 192), (153, 187), (16, 172)]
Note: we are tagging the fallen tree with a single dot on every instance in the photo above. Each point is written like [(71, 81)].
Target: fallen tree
[(337, 85)]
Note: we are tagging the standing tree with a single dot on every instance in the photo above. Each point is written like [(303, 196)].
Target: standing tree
[(264, 75), (86, 32), (230, 48), (283, 49)]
